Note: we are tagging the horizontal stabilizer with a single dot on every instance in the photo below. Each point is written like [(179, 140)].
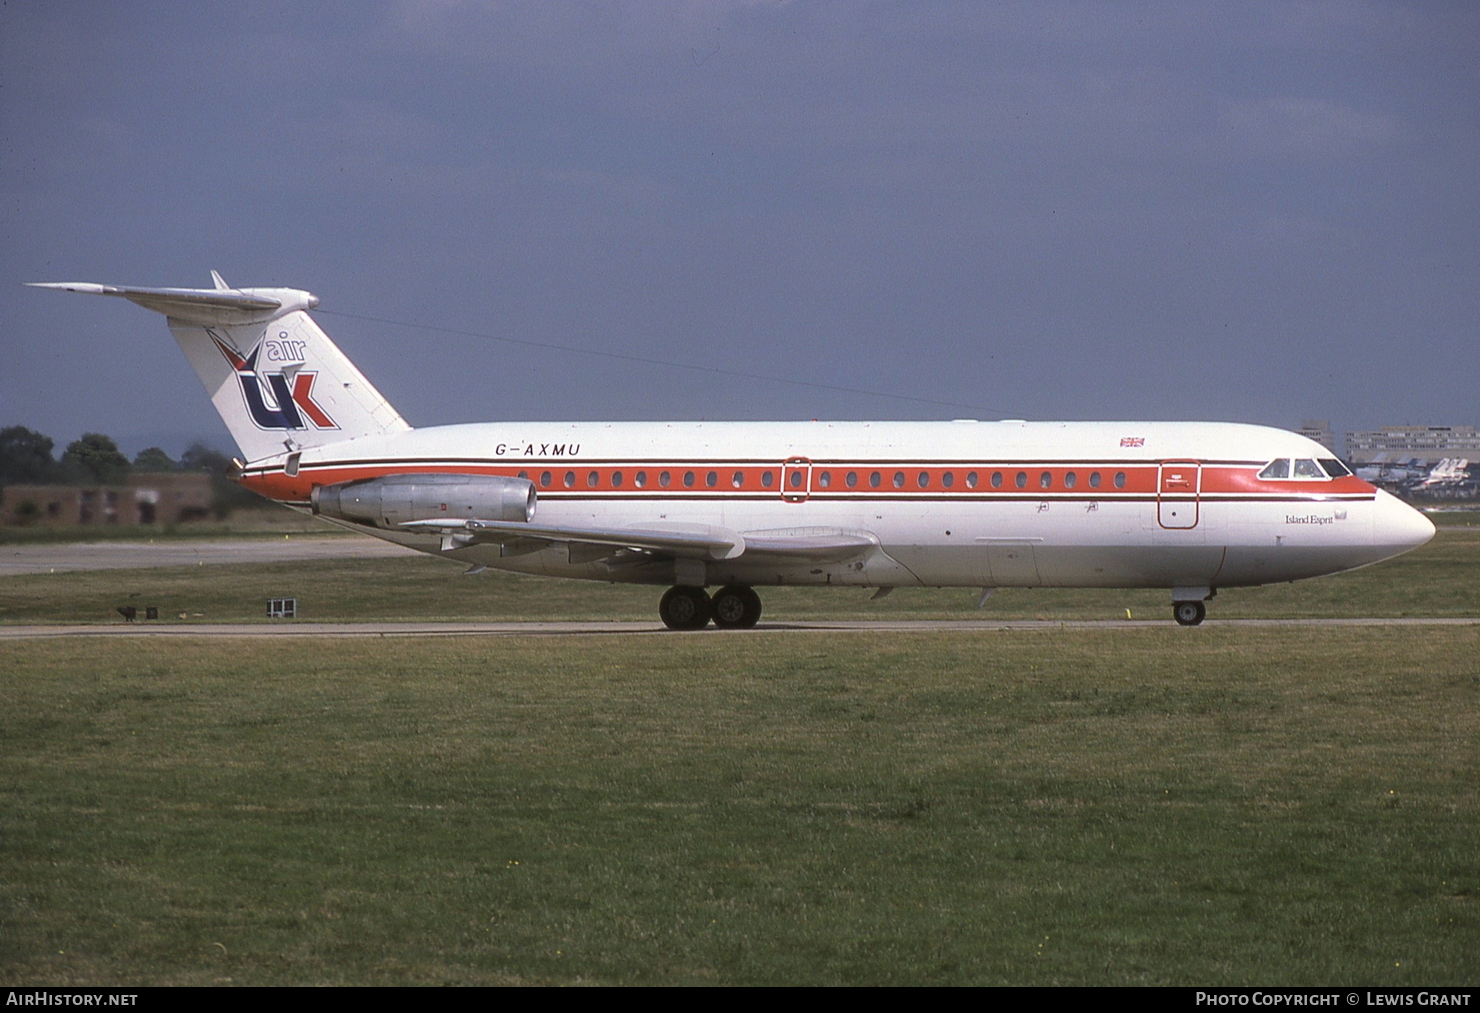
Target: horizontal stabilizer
[(198, 305)]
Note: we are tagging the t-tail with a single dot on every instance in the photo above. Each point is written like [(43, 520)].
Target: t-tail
[(278, 381)]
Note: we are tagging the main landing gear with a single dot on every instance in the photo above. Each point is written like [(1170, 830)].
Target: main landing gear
[(1189, 613), (689, 608)]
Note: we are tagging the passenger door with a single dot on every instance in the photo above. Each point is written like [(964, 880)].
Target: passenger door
[(1179, 486)]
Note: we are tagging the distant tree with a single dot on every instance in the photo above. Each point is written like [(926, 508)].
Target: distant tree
[(225, 492), (202, 458), (25, 457), (153, 459), (95, 458)]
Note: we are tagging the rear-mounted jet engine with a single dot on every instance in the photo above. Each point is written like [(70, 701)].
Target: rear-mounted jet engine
[(397, 499)]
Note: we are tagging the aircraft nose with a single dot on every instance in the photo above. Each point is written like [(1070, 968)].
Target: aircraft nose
[(1397, 527)]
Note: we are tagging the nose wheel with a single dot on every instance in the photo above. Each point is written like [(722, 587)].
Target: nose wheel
[(1189, 613), (685, 608)]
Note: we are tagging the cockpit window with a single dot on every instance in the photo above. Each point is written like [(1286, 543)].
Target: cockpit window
[(1334, 468), (1305, 468), (1278, 468)]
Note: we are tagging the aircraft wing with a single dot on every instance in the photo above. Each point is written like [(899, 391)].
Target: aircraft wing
[(689, 541), (693, 541)]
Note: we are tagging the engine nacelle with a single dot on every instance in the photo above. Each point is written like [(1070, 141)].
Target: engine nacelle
[(396, 499)]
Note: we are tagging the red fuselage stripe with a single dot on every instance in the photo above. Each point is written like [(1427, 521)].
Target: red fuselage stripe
[(798, 479)]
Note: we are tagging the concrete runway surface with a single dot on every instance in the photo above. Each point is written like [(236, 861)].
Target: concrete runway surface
[(58, 558), (289, 628)]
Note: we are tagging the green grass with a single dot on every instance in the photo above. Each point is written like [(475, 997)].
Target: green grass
[(1136, 806), (1439, 579), (1454, 518)]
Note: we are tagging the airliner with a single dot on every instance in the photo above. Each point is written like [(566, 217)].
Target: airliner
[(1188, 506)]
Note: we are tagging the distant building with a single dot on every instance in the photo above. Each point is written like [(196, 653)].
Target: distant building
[(1423, 446), (1320, 431), (163, 498)]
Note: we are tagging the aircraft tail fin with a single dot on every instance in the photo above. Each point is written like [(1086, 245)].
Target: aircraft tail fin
[(276, 379)]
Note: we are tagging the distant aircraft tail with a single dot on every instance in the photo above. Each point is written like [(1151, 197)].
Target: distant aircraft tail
[(277, 380)]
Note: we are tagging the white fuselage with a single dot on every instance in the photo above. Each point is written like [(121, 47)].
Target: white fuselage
[(986, 504)]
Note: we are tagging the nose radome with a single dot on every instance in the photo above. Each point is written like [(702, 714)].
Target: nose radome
[(1397, 526)]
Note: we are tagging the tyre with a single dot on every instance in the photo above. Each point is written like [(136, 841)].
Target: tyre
[(685, 608), (736, 608), (1188, 613)]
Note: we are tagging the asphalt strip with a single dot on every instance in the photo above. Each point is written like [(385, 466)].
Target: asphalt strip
[(548, 629), (19, 560)]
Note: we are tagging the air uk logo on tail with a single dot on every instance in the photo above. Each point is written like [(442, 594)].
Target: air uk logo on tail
[(277, 400)]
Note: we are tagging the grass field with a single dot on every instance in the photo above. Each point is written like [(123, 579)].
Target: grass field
[(1439, 579), (1105, 806), (1060, 806)]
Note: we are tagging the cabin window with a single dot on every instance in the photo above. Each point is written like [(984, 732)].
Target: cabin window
[(971, 480), (851, 479), (640, 479), (923, 479), (1278, 468), (712, 479), (1120, 480), (795, 479), (766, 479), (616, 480), (1020, 480), (899, 480), (1044, 480), (1094, 480), (947, 480), (1306, 468), (824, 480), (874, 479), (524, 474), (663, 479), (996, 480), (570, 480), (737, 479), (591, 479), (688, 480), (544, 478), (1334, 468), (1069, 479)]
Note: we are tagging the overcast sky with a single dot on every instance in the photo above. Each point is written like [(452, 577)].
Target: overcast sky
[(1253, 212)]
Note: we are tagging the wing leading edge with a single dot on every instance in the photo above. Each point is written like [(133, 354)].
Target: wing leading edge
[(679, 541)]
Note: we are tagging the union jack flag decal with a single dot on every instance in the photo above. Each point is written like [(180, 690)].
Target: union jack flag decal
[(1133, 441)]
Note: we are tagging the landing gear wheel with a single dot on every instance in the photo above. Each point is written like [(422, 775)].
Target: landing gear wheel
[(1188, 613), (736, 608), (684, 608)]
